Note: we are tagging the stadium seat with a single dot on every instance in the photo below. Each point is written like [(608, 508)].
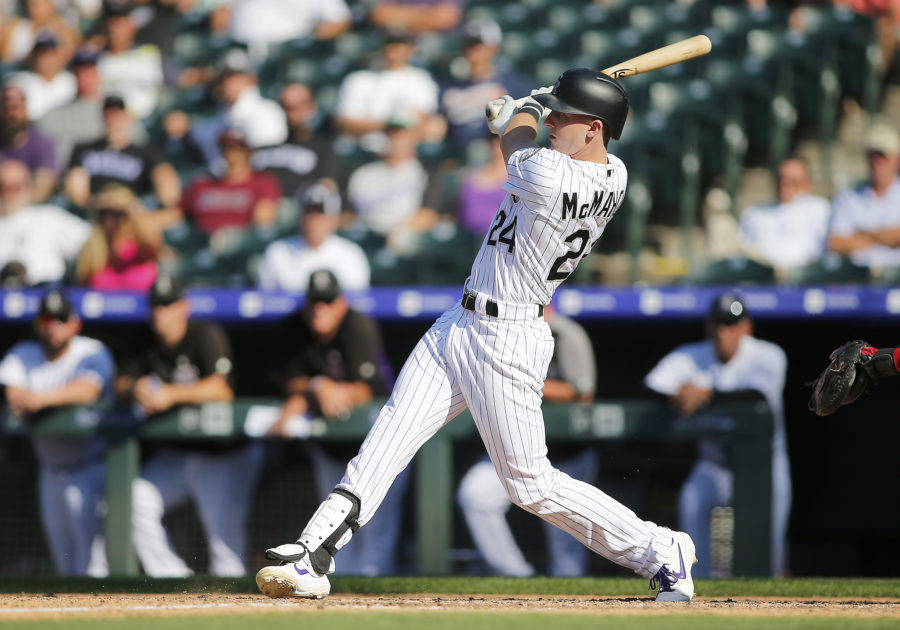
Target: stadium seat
[(888, 276), (185, 238), (831, 269), (735, 271), (388, 269), (444, 255)]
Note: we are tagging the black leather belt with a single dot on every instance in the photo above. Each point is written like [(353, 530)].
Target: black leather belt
[(490, 307)]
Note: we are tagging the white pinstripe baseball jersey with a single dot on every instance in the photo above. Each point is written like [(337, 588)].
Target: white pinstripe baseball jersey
[(491, 355), (555, 211)]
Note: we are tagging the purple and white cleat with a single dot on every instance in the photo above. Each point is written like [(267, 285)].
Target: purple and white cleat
[(295, 577), (674, 578)]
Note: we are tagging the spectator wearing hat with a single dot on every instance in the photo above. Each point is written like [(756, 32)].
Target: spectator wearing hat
[(395, 196), (21, 140), (19, 32), (260, 24), (81, 120), (187, 361), (368, 99), (62, 367), (116, 158), (865, 221), (122, 250), (242, 107), (730, 362), (46, 83), (475, 82), (240, 198), (417, 16), (133, 71), (307, 154), (41, 239), (333, 362), (288, 263)]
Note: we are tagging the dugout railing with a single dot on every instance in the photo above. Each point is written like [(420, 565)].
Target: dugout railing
[(746, 426)]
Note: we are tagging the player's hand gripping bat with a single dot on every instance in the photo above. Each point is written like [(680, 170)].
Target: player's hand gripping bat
[(689, 48)]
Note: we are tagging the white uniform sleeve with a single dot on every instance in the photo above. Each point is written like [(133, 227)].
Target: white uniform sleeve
[(672, 372), (769, 375), (842, 214), (531, 174), (12, 370), (98, 368)]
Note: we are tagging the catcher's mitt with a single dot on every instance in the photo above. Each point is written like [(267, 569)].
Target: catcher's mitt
[(843, 380)]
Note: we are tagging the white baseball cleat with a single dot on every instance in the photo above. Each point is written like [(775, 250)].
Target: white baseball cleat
[(674, 578), (295, 579)]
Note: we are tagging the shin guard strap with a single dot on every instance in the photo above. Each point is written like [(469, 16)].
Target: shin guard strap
[(335, 516)]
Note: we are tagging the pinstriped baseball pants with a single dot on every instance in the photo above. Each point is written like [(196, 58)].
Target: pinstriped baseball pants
[(496, 368)]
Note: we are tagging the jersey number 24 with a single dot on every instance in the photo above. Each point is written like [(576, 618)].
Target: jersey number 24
[(578, 241)]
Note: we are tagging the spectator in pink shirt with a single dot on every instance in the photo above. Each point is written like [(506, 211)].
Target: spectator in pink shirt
[(121, 252)]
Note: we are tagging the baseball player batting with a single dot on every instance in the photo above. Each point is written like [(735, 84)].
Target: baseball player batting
[(490, 352)]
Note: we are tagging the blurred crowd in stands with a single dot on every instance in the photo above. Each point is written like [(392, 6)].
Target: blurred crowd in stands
[(191, 136)]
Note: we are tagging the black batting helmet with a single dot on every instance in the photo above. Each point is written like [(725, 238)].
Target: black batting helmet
[(585, 91)]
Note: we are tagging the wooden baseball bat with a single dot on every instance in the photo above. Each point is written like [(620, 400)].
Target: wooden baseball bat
[(677, 52), (689, 48)]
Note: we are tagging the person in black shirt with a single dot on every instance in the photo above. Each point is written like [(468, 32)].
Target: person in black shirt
[(116, 158), (188, 362), (306, 156), (333, 363)]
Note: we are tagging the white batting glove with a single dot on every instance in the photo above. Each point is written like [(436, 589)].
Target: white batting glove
[(531, 106), (542, 90), (499, 112)]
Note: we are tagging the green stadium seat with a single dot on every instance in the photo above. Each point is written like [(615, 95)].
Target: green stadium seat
[(388, 269), (831, 269), (371, 242), (444, 255), (889, 276), (185, 238), (737, 270)]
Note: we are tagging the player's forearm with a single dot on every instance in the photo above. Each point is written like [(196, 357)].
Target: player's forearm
[(209, 389), (521, 133), (79, 392), (360, 393)]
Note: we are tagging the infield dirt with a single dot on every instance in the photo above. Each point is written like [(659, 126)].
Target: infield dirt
[(50, 605)]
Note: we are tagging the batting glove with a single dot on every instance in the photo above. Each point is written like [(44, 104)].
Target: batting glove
[(499, 112)]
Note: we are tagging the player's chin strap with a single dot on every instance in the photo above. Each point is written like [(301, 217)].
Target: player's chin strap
[(335, 516)]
